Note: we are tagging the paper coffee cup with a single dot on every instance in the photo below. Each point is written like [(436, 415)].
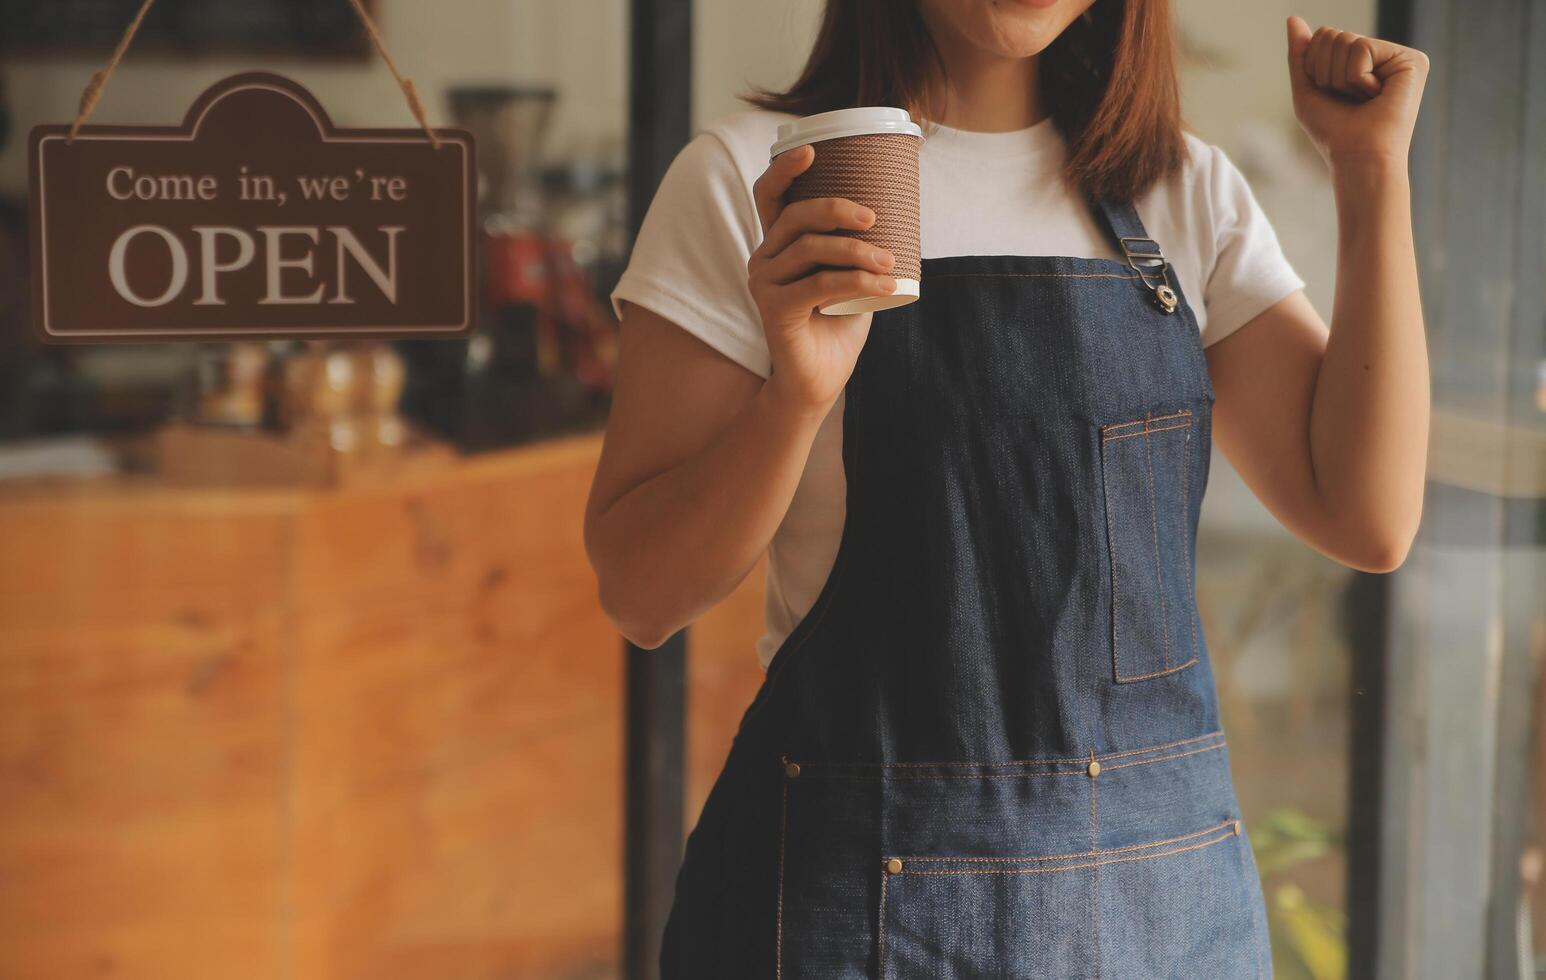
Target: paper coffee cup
[(870, 156)]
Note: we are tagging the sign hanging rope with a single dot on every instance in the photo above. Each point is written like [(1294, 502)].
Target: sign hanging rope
[(99, 79)]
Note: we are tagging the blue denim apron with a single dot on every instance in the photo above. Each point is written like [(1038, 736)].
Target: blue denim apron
[(992, 747)]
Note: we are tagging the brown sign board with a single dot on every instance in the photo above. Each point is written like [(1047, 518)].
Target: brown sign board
[(256, 218)]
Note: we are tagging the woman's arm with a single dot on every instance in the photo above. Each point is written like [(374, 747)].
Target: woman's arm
[(700, 462), (702, 456), (1330, 428)]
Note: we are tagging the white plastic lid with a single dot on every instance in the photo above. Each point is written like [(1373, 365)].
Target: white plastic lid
[(844, 122)]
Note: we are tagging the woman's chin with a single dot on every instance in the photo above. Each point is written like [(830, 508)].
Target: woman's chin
[(1016, 28), (1021, 40)]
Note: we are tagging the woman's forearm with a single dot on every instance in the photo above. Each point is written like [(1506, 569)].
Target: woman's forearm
[(1369, 419), (678, 543)]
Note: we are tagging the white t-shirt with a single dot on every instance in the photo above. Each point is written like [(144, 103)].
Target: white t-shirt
[(982, 194)]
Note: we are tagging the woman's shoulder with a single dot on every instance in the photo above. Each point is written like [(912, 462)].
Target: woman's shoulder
[(709, 182), (743, 138), (1207, 215), (1203, 199), (1202, 166), (1206, 180)]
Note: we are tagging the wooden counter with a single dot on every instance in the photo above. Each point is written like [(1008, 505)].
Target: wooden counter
[(319, 735)]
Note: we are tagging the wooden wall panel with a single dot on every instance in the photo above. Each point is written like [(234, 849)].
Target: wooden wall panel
[(458, 800), (141, 752), (371, 733)]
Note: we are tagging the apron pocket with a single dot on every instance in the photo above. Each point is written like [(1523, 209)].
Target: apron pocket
[(1043, 917), (950, 921), (1146, 467), (1204, 900), (1018, 869)]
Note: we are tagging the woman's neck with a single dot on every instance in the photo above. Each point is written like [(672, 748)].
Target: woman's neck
[(982, 93)]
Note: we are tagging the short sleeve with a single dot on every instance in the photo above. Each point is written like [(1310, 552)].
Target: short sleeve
[(688, 263), (1250, 272)]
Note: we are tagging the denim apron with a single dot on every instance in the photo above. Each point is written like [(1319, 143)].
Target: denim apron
[(992, 747)]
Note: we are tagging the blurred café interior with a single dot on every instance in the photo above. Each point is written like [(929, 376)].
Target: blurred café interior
[(302, 671)]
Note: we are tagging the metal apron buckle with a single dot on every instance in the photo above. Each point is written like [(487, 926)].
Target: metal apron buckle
[(1148, 250)]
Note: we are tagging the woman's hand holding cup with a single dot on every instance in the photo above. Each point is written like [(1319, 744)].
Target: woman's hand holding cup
[(802, 265)]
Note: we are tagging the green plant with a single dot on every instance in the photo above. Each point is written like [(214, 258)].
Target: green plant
[(1309, 937)]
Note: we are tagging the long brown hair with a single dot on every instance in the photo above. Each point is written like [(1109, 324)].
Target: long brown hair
[(1109, 81)]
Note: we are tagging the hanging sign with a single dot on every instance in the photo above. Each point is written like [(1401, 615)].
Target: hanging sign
[(256, 218)]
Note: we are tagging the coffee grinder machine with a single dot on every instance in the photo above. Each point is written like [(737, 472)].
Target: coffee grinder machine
[(515, 378)]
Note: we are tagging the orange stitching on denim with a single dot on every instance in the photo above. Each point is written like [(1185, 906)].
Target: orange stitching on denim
[(985, 775), (783, 830), (1177, 755), (1031, 275), (881, 956), (1220, 836), (1158, 673), (1145, 432), (1226, 835), (1116, 590), (870, 767), (1125, 849), (1094, 874), (1186, 551), (1159, 581), (818, 765), (1033, 775), (1156, 418), (1217, 733)]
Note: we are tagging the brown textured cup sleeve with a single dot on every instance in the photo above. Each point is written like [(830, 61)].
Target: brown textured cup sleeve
[(879, 171)]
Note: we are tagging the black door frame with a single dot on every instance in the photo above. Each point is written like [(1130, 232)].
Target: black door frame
[(659, 125), (1445, 684)]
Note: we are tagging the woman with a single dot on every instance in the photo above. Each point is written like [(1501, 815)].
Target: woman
[(987, 743)]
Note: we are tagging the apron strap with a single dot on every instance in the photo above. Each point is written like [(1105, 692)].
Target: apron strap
[(1142, 253), (1126, 228)]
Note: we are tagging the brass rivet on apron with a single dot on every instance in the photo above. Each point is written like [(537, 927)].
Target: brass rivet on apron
[(1237, 828), (792, 769), (894, 865), (1166, 298), (1094, 768)]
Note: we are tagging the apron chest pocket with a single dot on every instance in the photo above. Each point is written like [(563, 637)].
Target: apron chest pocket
[(1146, 467)]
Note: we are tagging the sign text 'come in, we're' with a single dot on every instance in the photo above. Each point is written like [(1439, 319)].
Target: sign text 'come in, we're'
[(256, 218)]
